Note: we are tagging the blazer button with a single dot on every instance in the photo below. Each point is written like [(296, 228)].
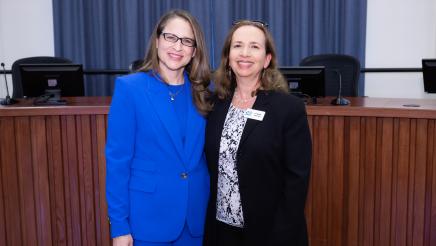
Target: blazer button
[(184, 175)]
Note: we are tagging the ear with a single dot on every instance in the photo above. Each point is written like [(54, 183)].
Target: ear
[(267, 60), (193, 53)]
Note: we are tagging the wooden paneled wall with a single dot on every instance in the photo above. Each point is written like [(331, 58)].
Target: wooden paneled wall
[(52, 180), (373, 181), (373, 174)]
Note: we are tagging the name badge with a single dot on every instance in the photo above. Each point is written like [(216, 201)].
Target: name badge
[(254, 114)]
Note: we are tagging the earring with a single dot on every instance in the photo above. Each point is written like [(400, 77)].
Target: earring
[(229, 73), (263, 73)]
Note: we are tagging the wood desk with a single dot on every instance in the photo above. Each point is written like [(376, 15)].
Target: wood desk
[(373, 177)]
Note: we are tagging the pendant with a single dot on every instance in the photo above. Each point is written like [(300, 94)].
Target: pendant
[(174, 95)]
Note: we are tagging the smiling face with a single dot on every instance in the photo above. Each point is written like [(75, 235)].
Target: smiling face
[(247, 56), (173, 57)]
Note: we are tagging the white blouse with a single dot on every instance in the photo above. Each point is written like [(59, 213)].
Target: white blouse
[(229, 207)]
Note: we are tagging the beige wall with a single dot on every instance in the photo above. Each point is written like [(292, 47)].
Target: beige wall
[(26, 29), (399, 34)]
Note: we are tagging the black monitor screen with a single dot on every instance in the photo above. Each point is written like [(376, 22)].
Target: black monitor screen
[(429, 75), (308, 81), (37, 78)]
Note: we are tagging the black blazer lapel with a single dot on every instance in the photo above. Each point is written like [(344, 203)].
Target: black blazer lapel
[(215, 124), (260, 104), (218, 116)]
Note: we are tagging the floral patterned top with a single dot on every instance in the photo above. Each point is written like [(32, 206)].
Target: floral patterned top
[(229, 207)]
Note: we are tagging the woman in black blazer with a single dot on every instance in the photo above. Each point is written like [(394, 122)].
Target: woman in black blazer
[(258, 147)]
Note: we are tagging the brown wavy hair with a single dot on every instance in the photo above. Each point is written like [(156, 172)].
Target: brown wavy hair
[(271, 78), (198, 68)]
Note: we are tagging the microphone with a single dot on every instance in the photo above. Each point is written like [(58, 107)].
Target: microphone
[(339, 100), (8, 100)]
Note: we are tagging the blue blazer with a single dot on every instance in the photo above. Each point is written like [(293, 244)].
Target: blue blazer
[(154, 183)]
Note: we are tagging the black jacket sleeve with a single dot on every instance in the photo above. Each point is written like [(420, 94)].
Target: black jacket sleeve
[(289, 226)]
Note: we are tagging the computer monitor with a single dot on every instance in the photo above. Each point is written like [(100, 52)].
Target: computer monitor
[(429, 75), (306, 81), (38, 79)]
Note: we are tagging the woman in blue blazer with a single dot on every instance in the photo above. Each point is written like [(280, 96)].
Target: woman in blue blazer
[(157, 183)]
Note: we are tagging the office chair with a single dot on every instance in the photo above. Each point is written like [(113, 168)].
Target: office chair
[(341, 72), (136, 65), (16, 76), (429, 75)]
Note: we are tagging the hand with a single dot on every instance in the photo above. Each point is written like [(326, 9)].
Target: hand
[(125, 240)]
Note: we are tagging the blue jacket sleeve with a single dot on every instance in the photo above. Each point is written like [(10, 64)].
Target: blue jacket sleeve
[(119, 153)]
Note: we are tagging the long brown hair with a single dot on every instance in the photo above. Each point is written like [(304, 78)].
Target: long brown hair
[(271, 78), (198, 68)]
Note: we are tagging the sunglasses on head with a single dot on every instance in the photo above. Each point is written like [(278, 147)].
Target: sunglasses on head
[(255, 22)]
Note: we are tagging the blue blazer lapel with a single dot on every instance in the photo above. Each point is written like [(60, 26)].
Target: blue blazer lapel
[(195, 130), (159, 98)]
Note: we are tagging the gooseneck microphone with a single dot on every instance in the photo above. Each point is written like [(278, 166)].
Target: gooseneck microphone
[(8, 100), (339, 100)]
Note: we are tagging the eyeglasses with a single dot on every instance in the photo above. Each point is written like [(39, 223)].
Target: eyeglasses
[(172, 38), (255, 22)]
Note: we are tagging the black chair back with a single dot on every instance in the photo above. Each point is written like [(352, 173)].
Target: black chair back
[(337, 67), (16, 76)]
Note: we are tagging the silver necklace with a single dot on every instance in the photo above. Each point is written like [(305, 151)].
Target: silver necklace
[(241, 99), (173, 95)]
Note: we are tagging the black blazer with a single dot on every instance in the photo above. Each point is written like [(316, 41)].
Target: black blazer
[(273, 165)]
